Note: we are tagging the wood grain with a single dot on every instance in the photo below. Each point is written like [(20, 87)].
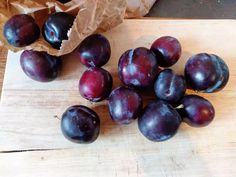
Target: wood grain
[(32, 145), (3, 58)]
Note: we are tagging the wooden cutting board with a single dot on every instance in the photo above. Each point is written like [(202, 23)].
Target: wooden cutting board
[(32, 145)]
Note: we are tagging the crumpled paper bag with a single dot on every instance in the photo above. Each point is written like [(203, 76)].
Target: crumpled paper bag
[(91, 16), (138, 8)]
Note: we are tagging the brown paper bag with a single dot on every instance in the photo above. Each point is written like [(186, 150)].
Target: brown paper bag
[(91, 16), (138, 8)]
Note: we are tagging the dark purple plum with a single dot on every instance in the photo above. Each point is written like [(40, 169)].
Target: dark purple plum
[(95, 84), (167, 50), (94, 51), (169, 86), (138, 67), (125, 105), (196, 111), (205, 72), (40, 66), (56, 27), (159, 121), (21, 30), (80, 124)]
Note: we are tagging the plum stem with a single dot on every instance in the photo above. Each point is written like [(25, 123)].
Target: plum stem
[(56, 117)]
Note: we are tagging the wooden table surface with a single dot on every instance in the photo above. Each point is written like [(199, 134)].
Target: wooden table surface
[(31, 140), (3, 57)]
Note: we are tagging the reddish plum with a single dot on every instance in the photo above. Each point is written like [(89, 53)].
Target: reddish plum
[(196, 111), (167, 50), (95, 84)]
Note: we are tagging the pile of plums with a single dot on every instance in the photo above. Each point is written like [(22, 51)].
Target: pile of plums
[(141, 68), (22, 30), (138, 69), (160, 119)]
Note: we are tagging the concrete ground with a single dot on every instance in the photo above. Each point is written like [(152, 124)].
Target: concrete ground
[(204, 9)]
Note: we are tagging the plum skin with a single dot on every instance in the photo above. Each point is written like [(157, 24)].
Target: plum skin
[(169, 86), (21, 30), (40, 66), (94, 51), (223, 75), (206, 72), (95, 84), (167, 50), (80, 124), (56, 27), (138, 67), (125, 105), (159, 121), (197, 111)]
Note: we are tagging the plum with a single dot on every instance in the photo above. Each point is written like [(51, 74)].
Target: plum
[(94, 51), (196, 111), (125, 105), (167, 50), (56, 27), (159, 121), (40, 66), (21, 30), (223, 74), (206, 72), (138, 67), (80, 124), (95, 84), (170, 86)]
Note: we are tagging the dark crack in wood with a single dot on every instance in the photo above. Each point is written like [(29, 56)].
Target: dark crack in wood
[(30, 150)]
